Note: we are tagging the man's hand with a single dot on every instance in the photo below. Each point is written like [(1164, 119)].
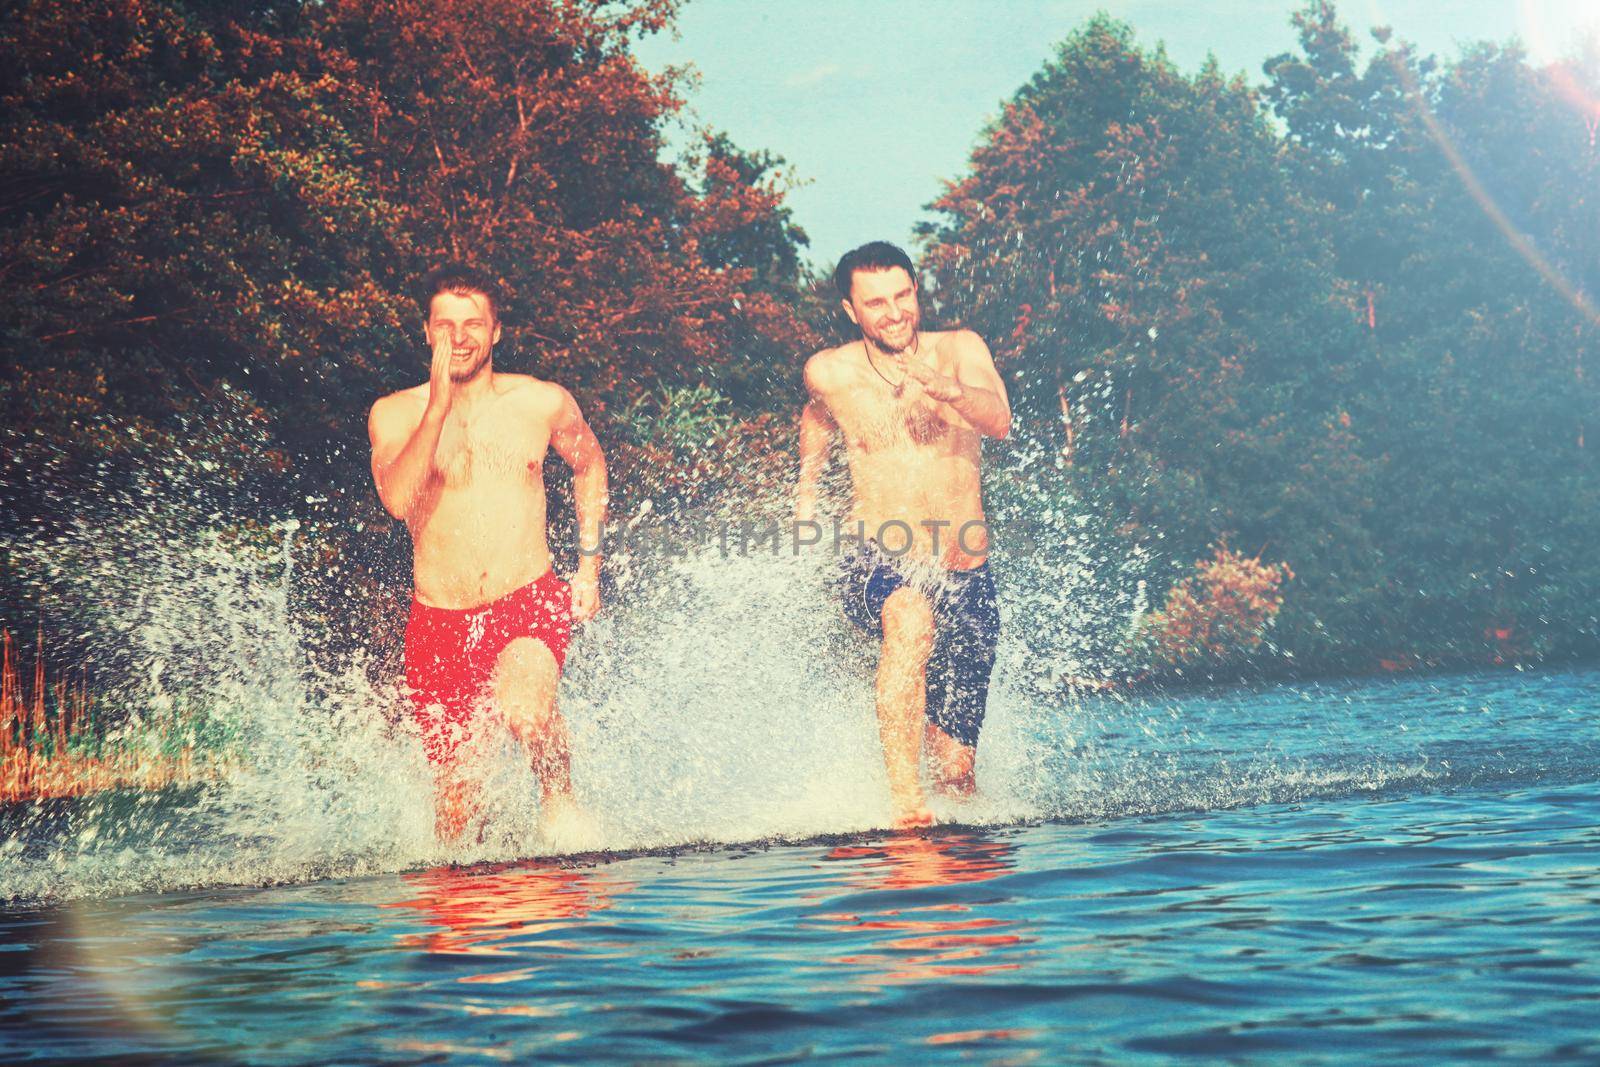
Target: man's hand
[(441, 387), (944, 389), (586, 592), (403, 448)]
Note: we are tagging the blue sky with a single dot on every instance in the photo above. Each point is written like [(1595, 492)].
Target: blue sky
[(875, 102)]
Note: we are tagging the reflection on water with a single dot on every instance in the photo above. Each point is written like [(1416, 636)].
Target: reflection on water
[(1427, 929), (476, 911), (916, 862), (1394, 870), (910, 940)]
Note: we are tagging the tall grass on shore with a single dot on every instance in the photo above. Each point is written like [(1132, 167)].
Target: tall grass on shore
[(51, 744)]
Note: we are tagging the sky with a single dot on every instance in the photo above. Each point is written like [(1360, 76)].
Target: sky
[(875, 103)]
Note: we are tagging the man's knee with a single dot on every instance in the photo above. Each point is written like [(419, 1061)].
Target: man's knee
[(525, 682), (908, 623), (953, 749)]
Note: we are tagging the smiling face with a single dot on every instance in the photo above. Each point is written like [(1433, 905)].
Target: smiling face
[(467, 319), (883, 303)]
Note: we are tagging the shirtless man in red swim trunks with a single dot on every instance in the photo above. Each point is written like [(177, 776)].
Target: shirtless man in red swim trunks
[(460, 459)]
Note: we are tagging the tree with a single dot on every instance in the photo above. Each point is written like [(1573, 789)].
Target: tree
[(1128, 240), (1452, 195), (213, 216)]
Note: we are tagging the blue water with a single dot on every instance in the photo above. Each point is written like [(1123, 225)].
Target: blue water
[(1290, 874)]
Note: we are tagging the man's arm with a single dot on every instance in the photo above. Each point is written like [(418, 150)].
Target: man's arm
[(976, 392), (402, 462), (574, 442), (816, 435), (403, 455)]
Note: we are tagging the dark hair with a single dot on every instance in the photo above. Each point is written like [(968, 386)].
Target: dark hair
[(460, 279), (875, 255)]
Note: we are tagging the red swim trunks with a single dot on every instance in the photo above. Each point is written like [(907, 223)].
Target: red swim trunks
[(451, 654)]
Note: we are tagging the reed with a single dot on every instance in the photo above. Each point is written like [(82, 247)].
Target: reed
[(52, 746)]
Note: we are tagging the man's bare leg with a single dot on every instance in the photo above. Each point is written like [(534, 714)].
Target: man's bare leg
[(952, 763), (525, 681), (902, 700), (455, 802)]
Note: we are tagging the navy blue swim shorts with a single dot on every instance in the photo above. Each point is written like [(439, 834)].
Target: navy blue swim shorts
[(966, 628)]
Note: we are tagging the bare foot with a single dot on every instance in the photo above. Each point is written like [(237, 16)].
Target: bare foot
[(910, 809), (566, 827), (911, 818)]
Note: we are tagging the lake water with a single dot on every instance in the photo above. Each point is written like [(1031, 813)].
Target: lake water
[(1335, 873)]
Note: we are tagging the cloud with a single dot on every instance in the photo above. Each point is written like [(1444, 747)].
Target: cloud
[(811, 77)]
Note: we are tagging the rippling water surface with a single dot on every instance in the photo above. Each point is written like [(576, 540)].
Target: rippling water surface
[(1316, 874)]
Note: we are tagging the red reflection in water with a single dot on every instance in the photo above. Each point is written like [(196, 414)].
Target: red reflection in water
[(970, 1037), (474, 910), (935, 941)]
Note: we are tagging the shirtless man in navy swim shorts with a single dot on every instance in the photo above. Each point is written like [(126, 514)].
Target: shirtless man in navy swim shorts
[(460, 459), (912, 407)]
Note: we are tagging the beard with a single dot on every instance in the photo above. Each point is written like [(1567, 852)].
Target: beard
[(890, 347), (471, 370)]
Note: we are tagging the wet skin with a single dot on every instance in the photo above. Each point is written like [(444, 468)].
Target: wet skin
[(912, 408), (460, 459)]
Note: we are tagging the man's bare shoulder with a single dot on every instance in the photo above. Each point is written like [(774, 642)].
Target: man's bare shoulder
[(957, 342), (825, 368), (399, 412), (538, 397)]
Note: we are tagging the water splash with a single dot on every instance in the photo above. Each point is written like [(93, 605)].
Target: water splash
[(721, 697)]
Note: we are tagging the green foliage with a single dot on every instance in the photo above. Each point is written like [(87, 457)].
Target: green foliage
[(681, 421), (225, 208), (1177, 287), (756, 233), (1130, 244), (1347, 319), (213, 218), (1455, 196)]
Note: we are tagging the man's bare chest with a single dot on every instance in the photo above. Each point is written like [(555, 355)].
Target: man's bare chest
[(877, 421), (489, 452)]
